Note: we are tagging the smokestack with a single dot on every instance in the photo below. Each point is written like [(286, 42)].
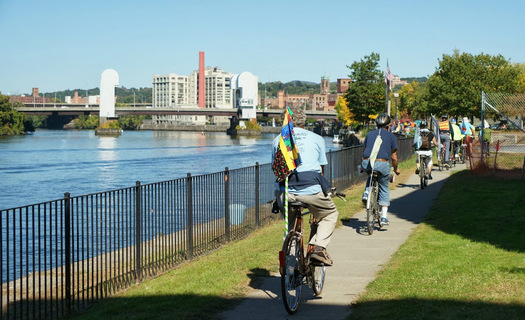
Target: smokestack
[(201, 80)]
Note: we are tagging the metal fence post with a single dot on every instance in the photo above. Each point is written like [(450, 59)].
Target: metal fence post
[(227, 204), (257, 200), (189, 216), (138, 228), (67, 240), (330, 167)]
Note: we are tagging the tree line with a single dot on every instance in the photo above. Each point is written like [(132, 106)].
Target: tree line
[(454, 89)]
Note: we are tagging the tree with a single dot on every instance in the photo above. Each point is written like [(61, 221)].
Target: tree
[(12, 121), (366, 94), (343, 113), (455, 88)]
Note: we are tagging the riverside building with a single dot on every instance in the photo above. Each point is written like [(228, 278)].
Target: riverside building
[(223, 90)]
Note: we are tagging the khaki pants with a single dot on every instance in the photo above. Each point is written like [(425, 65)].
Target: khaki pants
[(323, 209)]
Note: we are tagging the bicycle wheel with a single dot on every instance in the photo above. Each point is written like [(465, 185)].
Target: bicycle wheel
[(291, 284), (318, 274), (374, 206), (371, 207), (441, 162), (422, 170)]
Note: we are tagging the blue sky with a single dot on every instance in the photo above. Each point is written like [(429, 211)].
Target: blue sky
[(67, 44)]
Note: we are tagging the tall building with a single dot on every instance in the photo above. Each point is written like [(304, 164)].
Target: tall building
[(209, 87), (174, 91), (217, 87)]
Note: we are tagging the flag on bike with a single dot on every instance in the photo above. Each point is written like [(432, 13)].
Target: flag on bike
[(287, 156), (416, 143), (435, 130)]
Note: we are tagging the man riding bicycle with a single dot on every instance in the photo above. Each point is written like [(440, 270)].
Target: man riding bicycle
[(425, 149), (387, 150), (444, 135), (304, 185)]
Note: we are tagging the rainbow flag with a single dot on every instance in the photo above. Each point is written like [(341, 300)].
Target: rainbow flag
[(287, 158)]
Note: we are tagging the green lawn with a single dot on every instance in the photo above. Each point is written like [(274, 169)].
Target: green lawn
[(466, 261)]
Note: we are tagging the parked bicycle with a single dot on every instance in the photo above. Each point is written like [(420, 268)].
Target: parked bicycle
[(295, 266)]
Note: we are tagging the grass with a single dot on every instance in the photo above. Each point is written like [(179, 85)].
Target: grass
[(467, 255), (465, 261)]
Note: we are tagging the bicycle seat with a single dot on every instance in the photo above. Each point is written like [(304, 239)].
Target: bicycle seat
[(375, 175), (298, 204)]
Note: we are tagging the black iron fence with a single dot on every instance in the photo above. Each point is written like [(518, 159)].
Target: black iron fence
[(60, 256)]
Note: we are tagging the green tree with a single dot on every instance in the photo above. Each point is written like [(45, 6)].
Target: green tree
[(12, 121), (130, 122), (86, 122), (366, 94), (455, 88)]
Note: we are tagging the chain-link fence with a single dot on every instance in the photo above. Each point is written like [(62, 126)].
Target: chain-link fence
[(499, 147)]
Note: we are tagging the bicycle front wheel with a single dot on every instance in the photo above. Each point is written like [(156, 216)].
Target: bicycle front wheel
[(291, 284)]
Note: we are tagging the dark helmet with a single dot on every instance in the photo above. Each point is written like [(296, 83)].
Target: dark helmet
[(444, 117), (382, 120), (423, 124)]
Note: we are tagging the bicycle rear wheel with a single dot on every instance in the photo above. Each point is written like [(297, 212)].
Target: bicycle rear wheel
[(291, 283), (372, 209), (422, 180)]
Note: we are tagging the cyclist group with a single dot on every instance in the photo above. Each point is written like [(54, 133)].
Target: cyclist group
[(307, 187), (452, 136), (305, 184)]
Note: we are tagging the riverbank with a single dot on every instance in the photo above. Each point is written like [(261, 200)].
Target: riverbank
[(199, 128)]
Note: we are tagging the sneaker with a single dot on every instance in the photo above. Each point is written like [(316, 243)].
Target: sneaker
[(365, 197), (417, 171), (384, 221), (319, 254), (429, 177)]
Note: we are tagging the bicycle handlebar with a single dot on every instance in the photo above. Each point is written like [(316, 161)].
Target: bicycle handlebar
[(333, 193)]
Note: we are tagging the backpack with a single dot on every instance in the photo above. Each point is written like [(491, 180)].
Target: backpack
[(425, 142)]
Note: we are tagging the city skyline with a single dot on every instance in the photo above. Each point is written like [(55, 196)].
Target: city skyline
[(63, 45)]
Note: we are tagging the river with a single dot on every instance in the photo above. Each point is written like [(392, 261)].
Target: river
[(43, 166)]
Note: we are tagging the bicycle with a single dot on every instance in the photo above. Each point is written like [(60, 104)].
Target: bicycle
[(295, 266), (441, 158), (423, 171), (373, 209)]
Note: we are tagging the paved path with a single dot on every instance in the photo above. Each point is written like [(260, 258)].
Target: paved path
[(357, 259)]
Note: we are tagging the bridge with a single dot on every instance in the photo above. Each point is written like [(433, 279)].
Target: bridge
[(57, 109)]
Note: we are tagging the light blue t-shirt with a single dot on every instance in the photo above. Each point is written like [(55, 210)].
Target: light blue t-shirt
[(313, 155)]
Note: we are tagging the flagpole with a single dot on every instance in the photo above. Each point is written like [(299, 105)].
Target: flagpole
[(386, 86), (285, 207)]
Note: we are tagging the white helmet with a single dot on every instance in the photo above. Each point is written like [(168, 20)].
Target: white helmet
[(465, 120)]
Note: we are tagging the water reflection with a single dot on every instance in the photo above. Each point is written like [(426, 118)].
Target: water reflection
[(108, 156)]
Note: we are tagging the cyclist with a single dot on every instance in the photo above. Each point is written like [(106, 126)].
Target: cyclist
[(467, 129), (426, 149), (456, 137), (305, 185), (387, 151), (444, 136)]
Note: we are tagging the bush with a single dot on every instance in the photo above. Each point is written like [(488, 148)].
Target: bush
[(250, 125)]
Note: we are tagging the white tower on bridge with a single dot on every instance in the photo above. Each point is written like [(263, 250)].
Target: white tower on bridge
[(108, 81)]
